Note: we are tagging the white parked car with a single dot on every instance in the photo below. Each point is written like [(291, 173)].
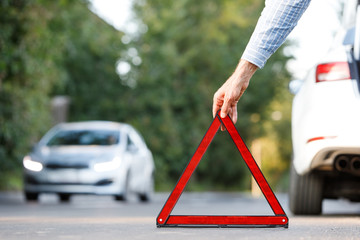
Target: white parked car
[(93, 157), (326, 125)]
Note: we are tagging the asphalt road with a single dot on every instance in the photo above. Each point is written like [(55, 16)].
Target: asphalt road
[(100, 217)]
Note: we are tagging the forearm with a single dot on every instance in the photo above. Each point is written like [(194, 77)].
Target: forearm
[(277, 20)]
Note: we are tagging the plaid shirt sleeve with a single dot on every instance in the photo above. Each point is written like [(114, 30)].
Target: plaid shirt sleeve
[(277, 20)]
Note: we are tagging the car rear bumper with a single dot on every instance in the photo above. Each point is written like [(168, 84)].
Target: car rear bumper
[(320, 154)]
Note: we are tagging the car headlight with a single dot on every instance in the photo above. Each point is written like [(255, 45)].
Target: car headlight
[(108, 166), (32, 165)]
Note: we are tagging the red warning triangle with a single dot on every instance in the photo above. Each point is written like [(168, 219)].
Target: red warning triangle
[(279, 219)]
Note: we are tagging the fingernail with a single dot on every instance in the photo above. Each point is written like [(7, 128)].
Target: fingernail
[(222, 115)]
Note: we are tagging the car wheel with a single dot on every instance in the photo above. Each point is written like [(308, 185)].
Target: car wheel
[(146, 197), (124, 194), (64, 197), (305, 194), (31, 196), (120, 198)]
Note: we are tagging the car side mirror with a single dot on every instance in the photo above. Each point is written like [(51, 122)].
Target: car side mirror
[(295, 86), (33, 147)]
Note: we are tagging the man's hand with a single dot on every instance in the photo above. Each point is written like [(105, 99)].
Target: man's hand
[(228, 95)]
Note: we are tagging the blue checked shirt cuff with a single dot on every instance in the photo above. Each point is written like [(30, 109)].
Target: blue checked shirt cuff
[(277, 20)]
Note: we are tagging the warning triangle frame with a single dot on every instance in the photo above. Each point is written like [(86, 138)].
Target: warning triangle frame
[(279, 219)]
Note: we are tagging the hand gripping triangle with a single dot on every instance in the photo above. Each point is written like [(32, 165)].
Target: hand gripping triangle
[(279, 219)]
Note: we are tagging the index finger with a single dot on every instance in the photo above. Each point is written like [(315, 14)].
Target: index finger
[(216, 106)]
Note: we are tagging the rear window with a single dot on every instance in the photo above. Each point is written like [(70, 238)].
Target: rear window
[(84, 138)]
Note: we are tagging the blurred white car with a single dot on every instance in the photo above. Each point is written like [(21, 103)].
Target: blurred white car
[(326, 125), (93, 157)]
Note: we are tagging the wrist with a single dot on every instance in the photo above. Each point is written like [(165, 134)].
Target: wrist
[(246, 68), (243, 72)]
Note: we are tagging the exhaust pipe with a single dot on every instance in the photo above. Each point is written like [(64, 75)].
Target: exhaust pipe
[(355, 165), (342, 163), (348, 163)]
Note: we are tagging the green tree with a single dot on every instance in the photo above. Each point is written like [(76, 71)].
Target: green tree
[(48, 48), (25, 81), (187, 52), (184, 50), (91, 49)]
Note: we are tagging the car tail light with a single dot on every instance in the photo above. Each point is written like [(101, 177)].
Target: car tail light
[(332, 72), (320, 138)]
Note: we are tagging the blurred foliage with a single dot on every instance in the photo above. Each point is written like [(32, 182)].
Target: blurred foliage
[(49, 48), (181, 54), (90, 52), (188, 49)]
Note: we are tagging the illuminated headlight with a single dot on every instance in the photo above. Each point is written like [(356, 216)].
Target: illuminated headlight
[(32, 165), (108, 166)]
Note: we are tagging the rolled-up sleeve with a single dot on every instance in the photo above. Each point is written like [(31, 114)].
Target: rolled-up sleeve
[(277, 20)]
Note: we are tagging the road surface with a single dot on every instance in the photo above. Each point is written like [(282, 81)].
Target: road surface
[(100, 217)]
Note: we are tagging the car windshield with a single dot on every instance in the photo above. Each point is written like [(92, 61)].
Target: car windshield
[(85, 138)]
